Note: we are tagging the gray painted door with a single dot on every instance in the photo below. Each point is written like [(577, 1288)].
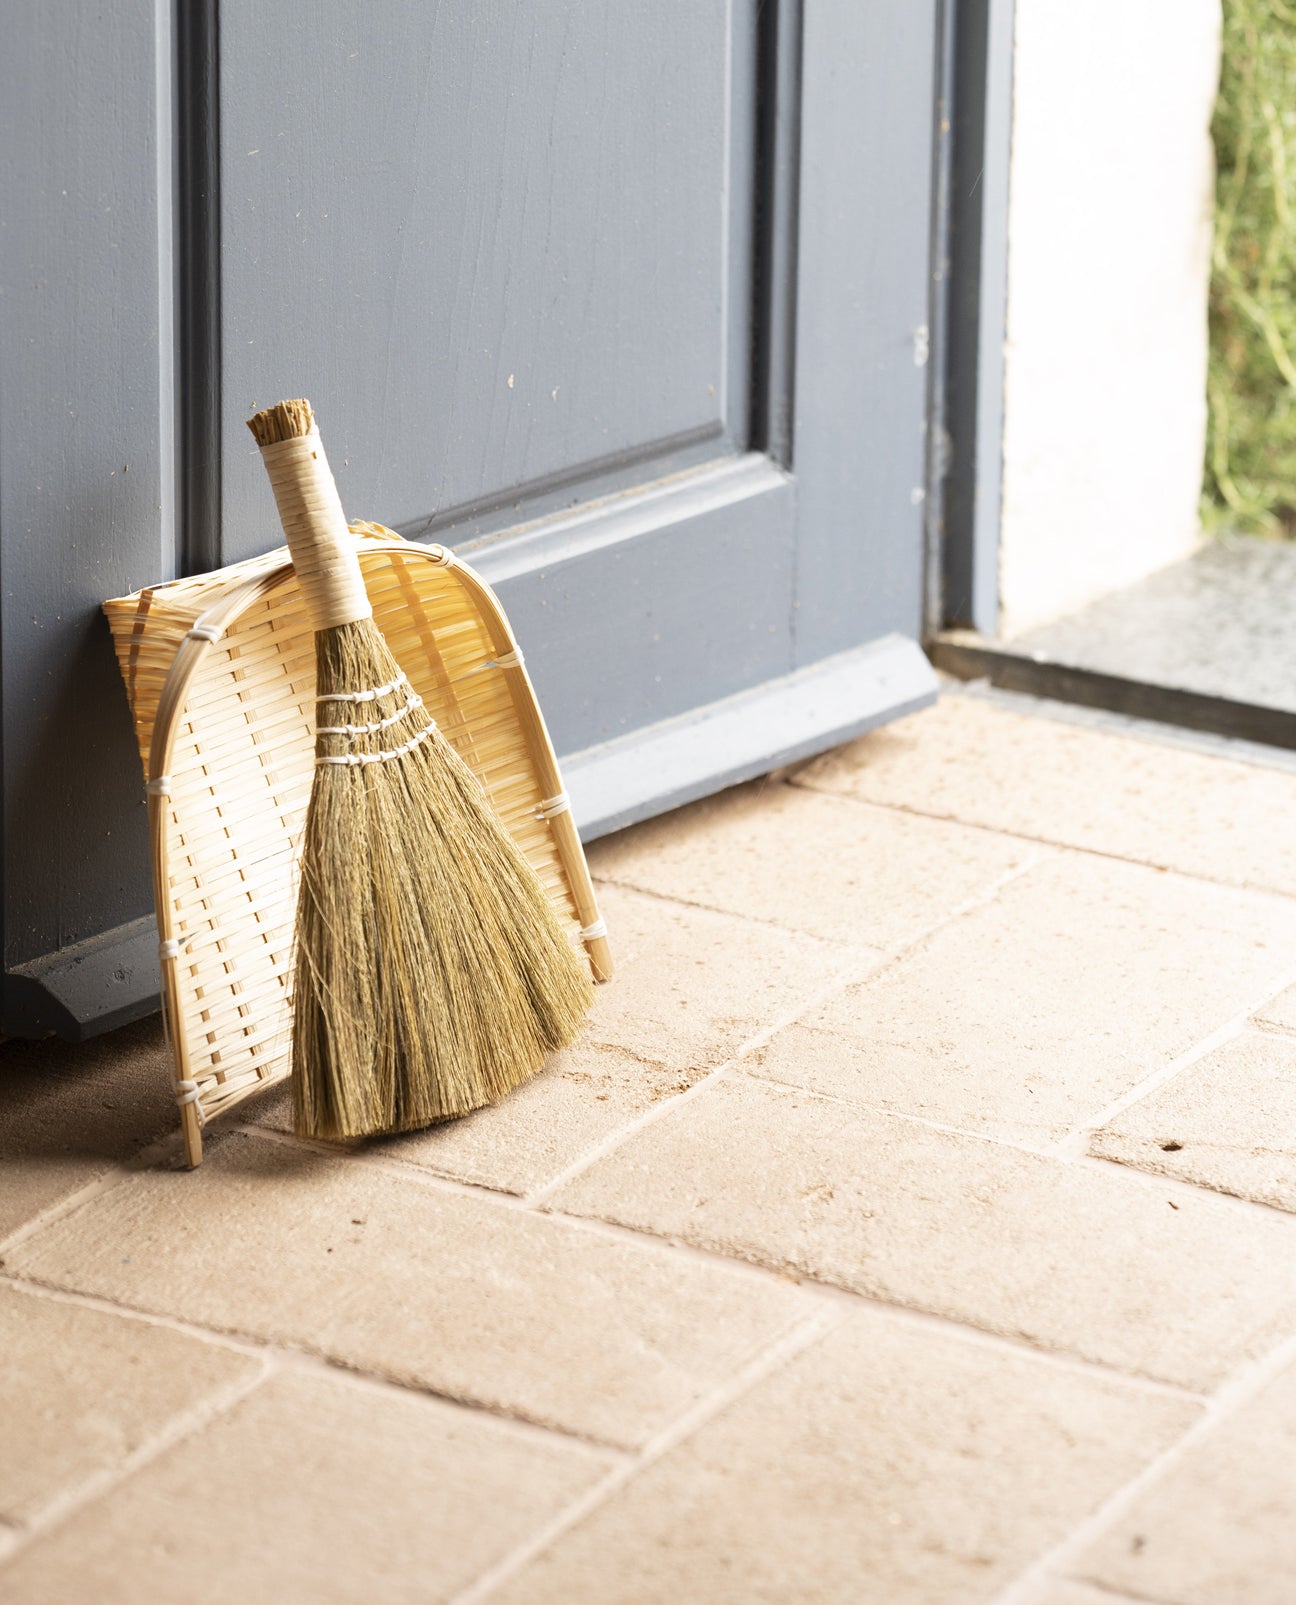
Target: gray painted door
[(626, 303)]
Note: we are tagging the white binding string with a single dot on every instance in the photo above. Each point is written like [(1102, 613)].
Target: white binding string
[(360, 758), (591, 933), (353, 730), (161, 787), (366, 696), (205, 632), (550, 806), (170, 949), (510, 660), (187, 1092)]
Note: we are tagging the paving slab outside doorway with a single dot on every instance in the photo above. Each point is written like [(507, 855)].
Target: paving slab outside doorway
[(916, 1222)]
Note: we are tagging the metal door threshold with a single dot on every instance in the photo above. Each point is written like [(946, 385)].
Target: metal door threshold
[(969, 656), (1207, 644)]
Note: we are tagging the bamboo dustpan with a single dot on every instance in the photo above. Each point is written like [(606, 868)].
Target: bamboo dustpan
[(220, 673)]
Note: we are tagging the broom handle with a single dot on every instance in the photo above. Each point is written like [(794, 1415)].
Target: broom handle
[(323, 550)]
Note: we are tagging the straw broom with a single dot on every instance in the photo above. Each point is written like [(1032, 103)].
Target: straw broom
[(432, 974)]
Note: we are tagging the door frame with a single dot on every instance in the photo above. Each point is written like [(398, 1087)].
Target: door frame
[(971, 245)]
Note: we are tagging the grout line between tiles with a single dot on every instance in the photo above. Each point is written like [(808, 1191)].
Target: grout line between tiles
[(1077, 1140), (1164, 1181), (165, 1147), (68, 1204), (1100, 1594), (1154, 1179), (1274, 1028), (885, 955), (30, 1287), (1152, 865), (812, 1289), (282, 1356), (837, 944), (771, 1359), (1003, 1343), (372, 1159), (181, 1426), (1015, 1143), (539, 1196), (1230, 1397)]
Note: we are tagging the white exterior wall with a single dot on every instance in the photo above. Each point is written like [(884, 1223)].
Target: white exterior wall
[(1108, 267)]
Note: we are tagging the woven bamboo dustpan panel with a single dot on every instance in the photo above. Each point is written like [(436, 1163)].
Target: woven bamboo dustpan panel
[(220, 672)]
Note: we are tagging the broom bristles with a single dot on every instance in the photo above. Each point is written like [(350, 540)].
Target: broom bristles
[(433, 975)]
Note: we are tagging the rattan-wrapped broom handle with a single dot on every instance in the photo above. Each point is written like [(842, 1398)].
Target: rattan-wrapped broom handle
[(323, 550)]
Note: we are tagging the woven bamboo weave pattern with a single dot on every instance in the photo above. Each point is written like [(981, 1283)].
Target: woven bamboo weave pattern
[(220, 673)]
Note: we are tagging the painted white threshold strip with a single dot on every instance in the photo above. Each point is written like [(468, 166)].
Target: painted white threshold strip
[(748, 734)]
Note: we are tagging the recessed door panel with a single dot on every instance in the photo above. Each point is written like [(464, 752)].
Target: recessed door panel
[(504, 247)]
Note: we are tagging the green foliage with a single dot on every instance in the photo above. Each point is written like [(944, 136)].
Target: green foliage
[(1250, 482)]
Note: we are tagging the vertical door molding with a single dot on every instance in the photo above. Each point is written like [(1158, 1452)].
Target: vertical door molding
[(978, 309), (198, 283)]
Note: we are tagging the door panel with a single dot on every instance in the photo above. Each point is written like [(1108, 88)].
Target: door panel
[(503, 247)]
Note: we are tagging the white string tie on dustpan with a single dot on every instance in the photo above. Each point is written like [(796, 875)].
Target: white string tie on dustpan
[(205, 632), (161, 787), (170, 949), (187, 1092), (547, 807), (591, 933), (510, 660)]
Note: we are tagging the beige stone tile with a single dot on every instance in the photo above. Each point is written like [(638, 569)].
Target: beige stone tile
[(470, 1297), (1080, 1257), (1034, 1012), (886, 1465), (825, 865), (581, 1098), (1280, 1010), (1217, 1528), (691, 985), (1227, 1122), (313, 1489), (81, 1389), (69, 1112), (965, 759)]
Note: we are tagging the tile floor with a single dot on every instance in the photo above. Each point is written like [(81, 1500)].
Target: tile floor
[(915, 1223)]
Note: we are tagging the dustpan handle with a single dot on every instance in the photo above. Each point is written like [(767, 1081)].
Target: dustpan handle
[(323, 550)]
